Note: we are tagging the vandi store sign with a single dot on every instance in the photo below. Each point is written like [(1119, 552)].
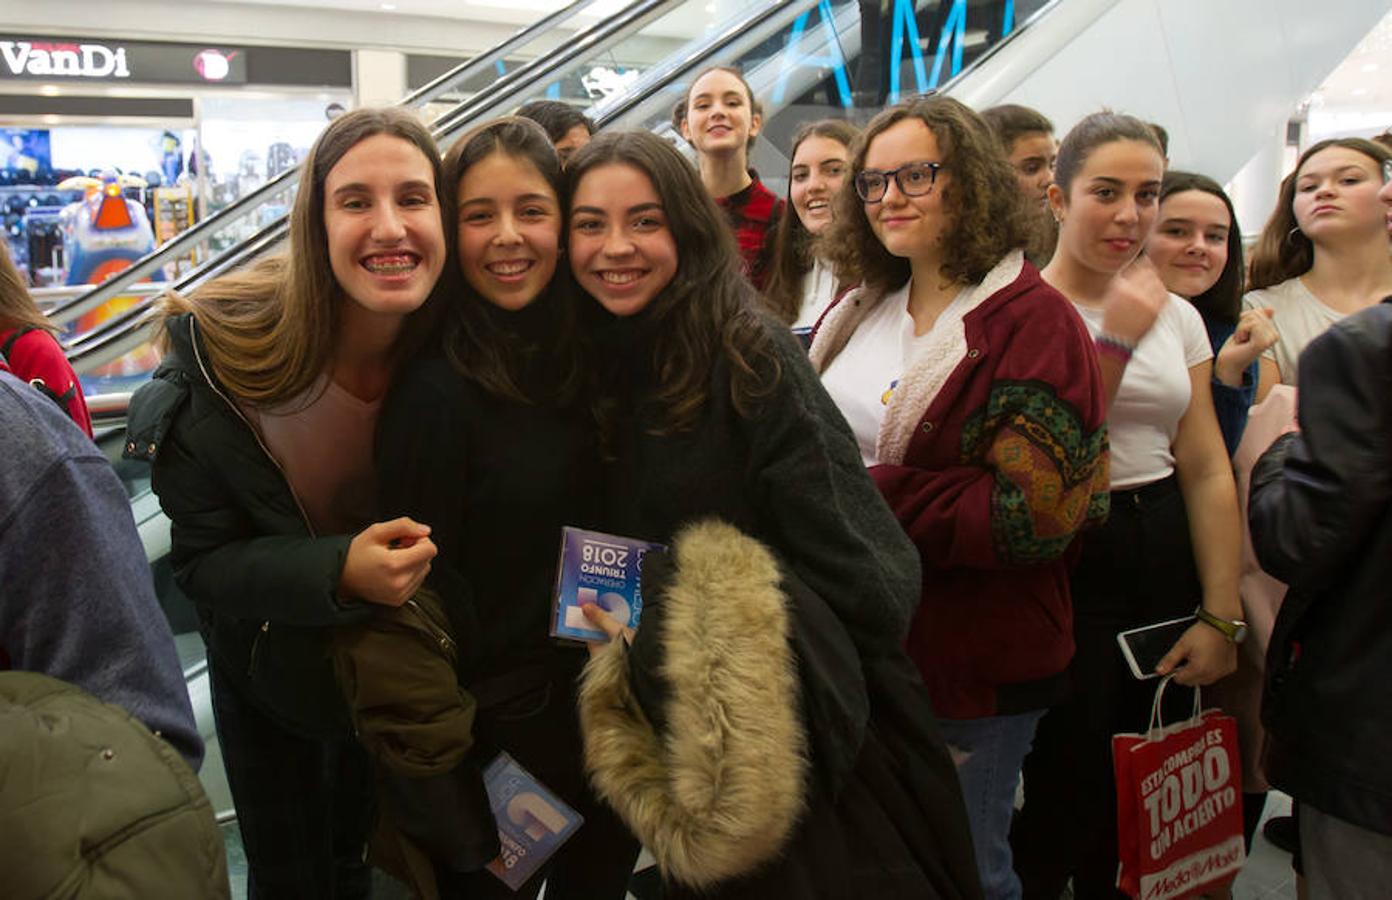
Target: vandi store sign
[(76, 59), (60, 60)]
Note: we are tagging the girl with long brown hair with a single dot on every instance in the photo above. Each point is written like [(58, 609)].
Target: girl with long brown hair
[(259, 425), (29, 347), (1324, 252), (488, 444), (802, 285), (764, 734)]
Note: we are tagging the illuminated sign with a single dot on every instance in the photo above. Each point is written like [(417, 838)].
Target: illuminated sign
[(25, 58), (49, 60)]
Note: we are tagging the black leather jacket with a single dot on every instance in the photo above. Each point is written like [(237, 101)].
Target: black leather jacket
[(1321, 517)]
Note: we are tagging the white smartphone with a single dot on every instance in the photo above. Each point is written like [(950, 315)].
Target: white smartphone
[(1145, 647)]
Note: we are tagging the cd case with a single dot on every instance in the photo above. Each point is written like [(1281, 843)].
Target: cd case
[(600, 568), (533, 823)]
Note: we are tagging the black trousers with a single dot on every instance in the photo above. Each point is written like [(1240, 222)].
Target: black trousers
[(304, 806), (1136, 570)]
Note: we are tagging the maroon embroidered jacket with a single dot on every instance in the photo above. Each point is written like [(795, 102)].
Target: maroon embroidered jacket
[(993, 457)]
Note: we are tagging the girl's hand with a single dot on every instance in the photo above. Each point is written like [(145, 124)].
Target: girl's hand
[(1201, 656), (1133, 301), (387, 562), (1254, 335), (600, 618)]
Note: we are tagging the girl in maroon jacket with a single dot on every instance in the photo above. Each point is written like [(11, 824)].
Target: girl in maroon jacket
[(975, 396)]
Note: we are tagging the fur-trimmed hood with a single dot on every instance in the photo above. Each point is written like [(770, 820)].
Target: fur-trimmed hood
[(718, 789)]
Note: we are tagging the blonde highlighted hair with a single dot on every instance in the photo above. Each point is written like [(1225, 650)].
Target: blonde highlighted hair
[(269, 330)]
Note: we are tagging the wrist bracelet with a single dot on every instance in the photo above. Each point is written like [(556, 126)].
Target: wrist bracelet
[(1115, 347)]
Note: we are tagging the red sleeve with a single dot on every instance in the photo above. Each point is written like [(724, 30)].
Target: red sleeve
[(1034, 456), (37, 355)]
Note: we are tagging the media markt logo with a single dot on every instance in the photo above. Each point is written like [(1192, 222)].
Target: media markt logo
[(64, 60)]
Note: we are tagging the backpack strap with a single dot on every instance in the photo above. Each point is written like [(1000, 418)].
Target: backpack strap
[(38, 384), (15, 335)]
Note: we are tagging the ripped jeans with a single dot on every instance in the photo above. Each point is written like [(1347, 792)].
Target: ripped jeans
[(989, 753)]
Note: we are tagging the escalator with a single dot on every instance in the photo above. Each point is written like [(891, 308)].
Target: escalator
[(786, 44), (808, 59)]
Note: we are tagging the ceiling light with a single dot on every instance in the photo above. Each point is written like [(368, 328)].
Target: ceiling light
[(389, 6), (1369, 67), (1359, 92)]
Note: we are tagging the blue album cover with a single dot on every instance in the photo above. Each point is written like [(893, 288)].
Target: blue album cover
[(597, 568), (533, 823)]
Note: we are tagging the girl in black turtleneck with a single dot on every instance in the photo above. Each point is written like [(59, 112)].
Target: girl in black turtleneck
[(764, 734), (488, 445)]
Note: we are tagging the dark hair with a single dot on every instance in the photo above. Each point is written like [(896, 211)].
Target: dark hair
[(709, 307), (1283, 251), (475, 342), (1385, 139), (1162, 137), (755, 107), (1093, 131), (1223, 301), (792, 243), (556, 117), (1010, 122), (981, 199)]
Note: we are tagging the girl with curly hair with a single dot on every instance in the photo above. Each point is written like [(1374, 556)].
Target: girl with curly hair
[(974, 395)]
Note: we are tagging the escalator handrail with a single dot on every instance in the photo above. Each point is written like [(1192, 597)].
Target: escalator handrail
[(68, 310), (90, 349), (610, 112), (505, 89), (466, 70), (661, 75)]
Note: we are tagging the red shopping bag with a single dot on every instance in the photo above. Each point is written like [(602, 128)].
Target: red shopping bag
[(1179, 805)]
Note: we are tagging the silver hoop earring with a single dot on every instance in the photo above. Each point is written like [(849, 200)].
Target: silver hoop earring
[(1290, 235)]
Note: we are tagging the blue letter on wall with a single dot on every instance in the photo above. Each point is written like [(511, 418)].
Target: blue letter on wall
[(905, 25), (836, 60)]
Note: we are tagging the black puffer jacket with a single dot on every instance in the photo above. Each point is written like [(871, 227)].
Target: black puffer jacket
[(243, 550), (1321, 517)]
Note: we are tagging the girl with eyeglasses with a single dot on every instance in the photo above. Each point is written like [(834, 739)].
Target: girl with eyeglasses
[(1324, 252), (1169, 547), (976, 401)]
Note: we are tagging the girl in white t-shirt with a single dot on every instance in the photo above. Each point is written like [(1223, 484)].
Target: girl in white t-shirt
[(1171, 541), (801, 284), (1323, 253)]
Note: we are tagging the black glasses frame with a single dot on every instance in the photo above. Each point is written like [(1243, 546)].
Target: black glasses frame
[(875, 193)]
